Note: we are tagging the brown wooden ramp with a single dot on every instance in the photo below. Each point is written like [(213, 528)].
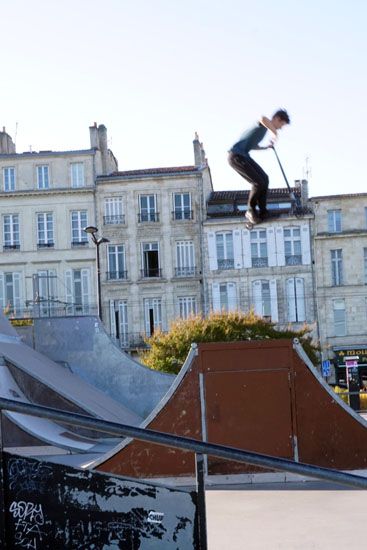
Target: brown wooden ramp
[(262, 396)]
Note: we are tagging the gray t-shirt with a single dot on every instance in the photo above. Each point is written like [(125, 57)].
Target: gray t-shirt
[(249, 140)]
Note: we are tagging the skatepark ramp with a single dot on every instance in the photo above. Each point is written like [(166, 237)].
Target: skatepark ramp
[(262, 396), (83, 344)]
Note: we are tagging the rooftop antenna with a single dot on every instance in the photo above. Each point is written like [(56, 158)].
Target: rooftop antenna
[(307, 169)]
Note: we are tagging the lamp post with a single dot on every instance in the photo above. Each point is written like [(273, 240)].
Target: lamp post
[(97, 241)]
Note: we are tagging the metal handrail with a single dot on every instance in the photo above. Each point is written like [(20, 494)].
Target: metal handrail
[(187, 444)]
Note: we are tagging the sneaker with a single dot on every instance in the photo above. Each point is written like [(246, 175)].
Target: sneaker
[(251, 216)]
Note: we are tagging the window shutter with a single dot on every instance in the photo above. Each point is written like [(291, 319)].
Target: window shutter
[(85, 287), (237, 251), (213, 264), (69, 294), (2, 290), (279, 239), (16, 290), (257, 298), (232, 296), (305, 242), (272, 254), (246, 244), (216, 296), (300, 297), (291, 300), (112, 319), (274, 300)]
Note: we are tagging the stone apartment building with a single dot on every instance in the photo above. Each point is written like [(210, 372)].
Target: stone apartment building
[(269, 268), (151, 268), (340, 244), (47, 265)]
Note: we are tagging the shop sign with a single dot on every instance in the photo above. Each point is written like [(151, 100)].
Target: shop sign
[(342, 355)]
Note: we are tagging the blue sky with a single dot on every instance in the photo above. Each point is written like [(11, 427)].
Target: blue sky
[(154, 72)]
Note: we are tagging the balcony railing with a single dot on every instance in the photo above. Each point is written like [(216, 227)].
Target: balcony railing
[(150, 272), (148, 217), (259, 262), (79, 243), (293, 260), (182, 215), (185, 271), (46, 245), (11, 247), (114, 220), (116, 275), (226, 264)]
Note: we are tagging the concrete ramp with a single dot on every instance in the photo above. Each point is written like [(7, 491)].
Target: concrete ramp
[(83, 344), (262, 396)]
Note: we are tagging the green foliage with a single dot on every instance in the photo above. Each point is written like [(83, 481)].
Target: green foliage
[(168, 351)]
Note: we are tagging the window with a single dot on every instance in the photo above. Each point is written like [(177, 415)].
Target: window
[(185, 259), (9, 178), (45, 230), (150, 260), (43, 181), (45, 292), (182, 206), (296, 300), (113, 211), (334, 221), (336, 267), (365, 265), (153, 315), (224, 296), (224, 244), (11, 232), (123, 327), (77, 174), (79, 220), (10, 292), (340, 326), (116, 262), (148, 211), (292, 246), (264, 298), (259, 249), (77, 293), (187, 306)]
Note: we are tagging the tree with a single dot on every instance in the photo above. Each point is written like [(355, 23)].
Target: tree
[(168, 351)]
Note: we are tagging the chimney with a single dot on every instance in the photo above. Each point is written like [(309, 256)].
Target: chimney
[(302, 185), (93, 132), (199, 153), (7, 146)]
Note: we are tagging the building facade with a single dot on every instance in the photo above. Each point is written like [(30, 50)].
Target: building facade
[(47, 265), (340, 244), (151, 268), (269, 268)]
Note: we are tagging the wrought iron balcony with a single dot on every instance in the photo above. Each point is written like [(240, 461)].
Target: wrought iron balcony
[(11, 246), (114, 220), (46, 245), (293, 260), (226, 264), (116, 275), (150, 272), (185, 271), (148, 217), (259, 262), (182, 214), (79, 243)]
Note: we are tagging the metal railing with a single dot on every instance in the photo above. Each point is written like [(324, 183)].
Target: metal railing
[(148, 217), (226, 263), (260, 262), (116, 275), (116, 219), (188, 444), (150, 272), (182, 215), (185, 271), (293, 260)]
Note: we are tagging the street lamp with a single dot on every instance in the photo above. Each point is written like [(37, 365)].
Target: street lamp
[(97, 241)]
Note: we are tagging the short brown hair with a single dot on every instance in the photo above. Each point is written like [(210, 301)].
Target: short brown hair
[(283, 115)]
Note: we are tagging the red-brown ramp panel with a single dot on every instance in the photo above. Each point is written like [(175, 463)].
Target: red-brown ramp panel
[(261, 396)]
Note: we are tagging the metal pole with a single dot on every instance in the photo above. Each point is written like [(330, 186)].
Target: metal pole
[(98, 281), (200, 488), (3, 542)]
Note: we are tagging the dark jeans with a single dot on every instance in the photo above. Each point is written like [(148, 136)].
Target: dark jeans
[(253, 173)]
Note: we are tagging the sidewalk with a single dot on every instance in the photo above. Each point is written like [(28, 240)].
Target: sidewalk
[(308, 519)]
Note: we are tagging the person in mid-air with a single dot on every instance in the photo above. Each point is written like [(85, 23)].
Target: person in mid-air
[(239, 158)]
